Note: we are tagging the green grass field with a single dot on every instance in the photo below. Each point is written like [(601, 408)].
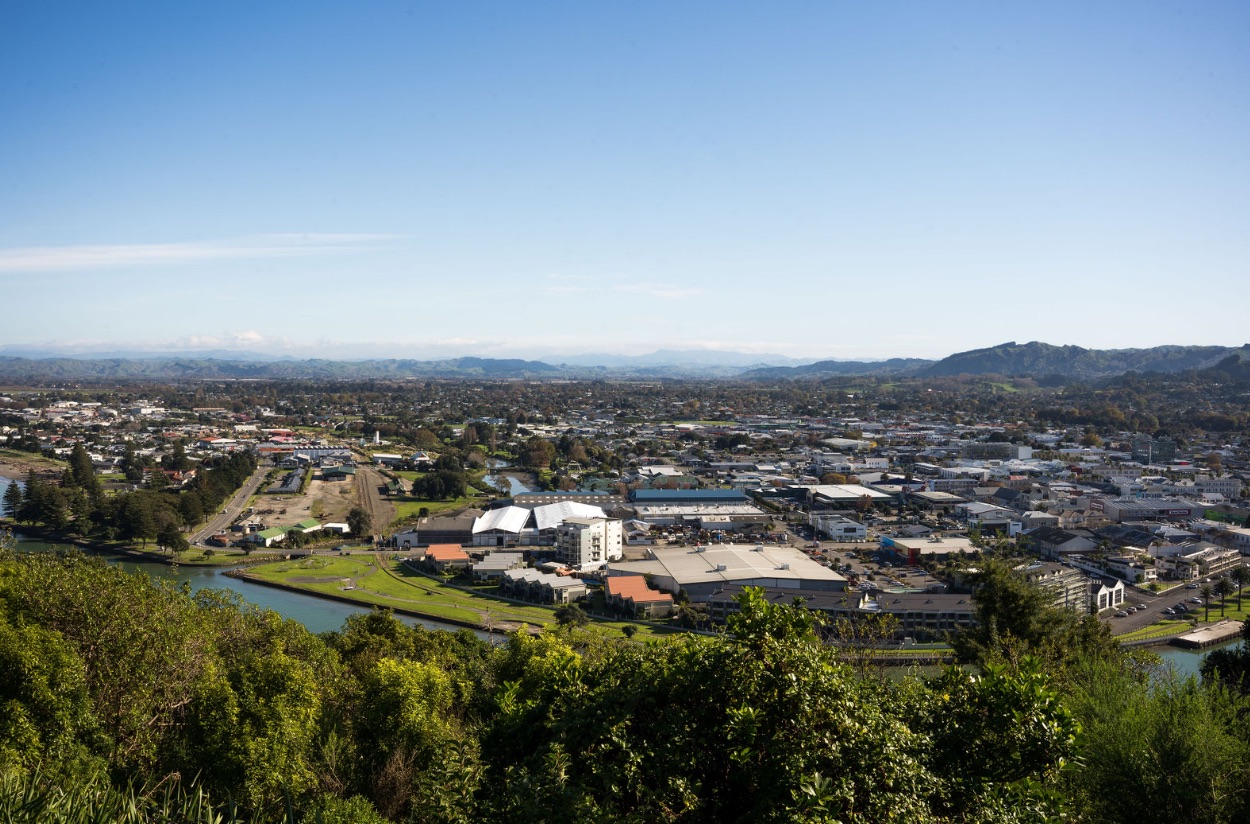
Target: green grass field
[(380, 581)]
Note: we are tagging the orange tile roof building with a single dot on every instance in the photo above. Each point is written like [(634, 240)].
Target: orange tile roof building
[(631, 594)]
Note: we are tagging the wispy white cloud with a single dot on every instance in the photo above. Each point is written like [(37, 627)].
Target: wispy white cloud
[(566, 284), (33, 259), (583, 284), (662, 291)]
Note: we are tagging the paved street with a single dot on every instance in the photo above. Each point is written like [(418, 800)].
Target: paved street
[(222, 520)]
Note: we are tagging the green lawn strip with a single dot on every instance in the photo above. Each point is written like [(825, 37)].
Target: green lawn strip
[(534, 615), (1155, 630), (406, 507), (385, 582), (404, 577), (192, 557), (375, 585)]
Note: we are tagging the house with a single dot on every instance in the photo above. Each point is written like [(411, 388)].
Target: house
[(543, 587), (446, 558), (268, 537), (631, 595), (495, 564), (1106, 593)]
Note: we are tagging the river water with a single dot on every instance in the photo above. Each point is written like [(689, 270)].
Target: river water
[(318, 614), (511, 481)]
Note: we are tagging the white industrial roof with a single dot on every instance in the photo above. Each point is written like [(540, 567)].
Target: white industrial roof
[(508, 519), (550, 516)]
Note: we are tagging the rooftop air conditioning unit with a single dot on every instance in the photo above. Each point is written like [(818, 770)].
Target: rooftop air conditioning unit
[(720, 568), (784, 566)]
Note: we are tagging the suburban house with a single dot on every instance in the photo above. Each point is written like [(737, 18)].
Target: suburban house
[(446, 557), (631, 595), (542, 587)]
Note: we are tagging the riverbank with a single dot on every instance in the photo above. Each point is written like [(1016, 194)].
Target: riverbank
[(16, 465), (502, 627)]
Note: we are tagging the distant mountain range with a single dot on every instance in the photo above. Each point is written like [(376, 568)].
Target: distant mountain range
[(1033, 359), (1009, 359)]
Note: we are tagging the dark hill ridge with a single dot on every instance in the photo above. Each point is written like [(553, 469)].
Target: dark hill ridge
[(1041, 359), (1033, 359), (830, 368)]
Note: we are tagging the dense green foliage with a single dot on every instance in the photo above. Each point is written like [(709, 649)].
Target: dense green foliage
[(140, 694), (77, 504)]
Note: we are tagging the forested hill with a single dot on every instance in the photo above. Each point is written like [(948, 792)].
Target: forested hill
[(1033, 359), (830, 368), (1041, 359)]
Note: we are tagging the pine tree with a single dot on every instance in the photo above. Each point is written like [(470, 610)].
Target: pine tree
[(12, 500)]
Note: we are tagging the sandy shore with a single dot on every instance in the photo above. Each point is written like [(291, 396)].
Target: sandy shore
[(17, 468)]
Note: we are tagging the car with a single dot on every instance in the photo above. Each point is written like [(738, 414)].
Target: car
[(1131, 610), (1191, 586), (1195, 600), (1169, 611), (1121, 614)]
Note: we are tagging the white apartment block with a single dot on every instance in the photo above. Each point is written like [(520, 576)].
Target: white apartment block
[(588, 543)]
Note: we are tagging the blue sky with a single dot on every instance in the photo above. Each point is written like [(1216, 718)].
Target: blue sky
[(823, 179)]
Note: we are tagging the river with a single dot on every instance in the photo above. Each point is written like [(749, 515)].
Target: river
[(507, 480), (318, 614)]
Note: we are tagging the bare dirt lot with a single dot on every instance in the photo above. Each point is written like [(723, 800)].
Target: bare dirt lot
[(326, 501)]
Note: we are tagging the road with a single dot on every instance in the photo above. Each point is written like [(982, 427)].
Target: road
[(222, 520), (369, 485)]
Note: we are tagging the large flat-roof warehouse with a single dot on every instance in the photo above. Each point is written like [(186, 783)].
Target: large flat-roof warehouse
[(699, 571)]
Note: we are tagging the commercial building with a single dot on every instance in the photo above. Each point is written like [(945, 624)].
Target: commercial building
[(1148, 509), (699, 571), (922, 615), (837, 527), (934, 548)]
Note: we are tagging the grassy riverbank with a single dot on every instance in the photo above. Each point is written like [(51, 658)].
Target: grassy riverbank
[(379, 580)]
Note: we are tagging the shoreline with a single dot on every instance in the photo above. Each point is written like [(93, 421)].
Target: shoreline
[(16, 469), (505, 628)]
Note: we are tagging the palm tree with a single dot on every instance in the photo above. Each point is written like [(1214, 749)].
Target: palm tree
[(1207, 591), (1242, 576), (1224, 588)]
